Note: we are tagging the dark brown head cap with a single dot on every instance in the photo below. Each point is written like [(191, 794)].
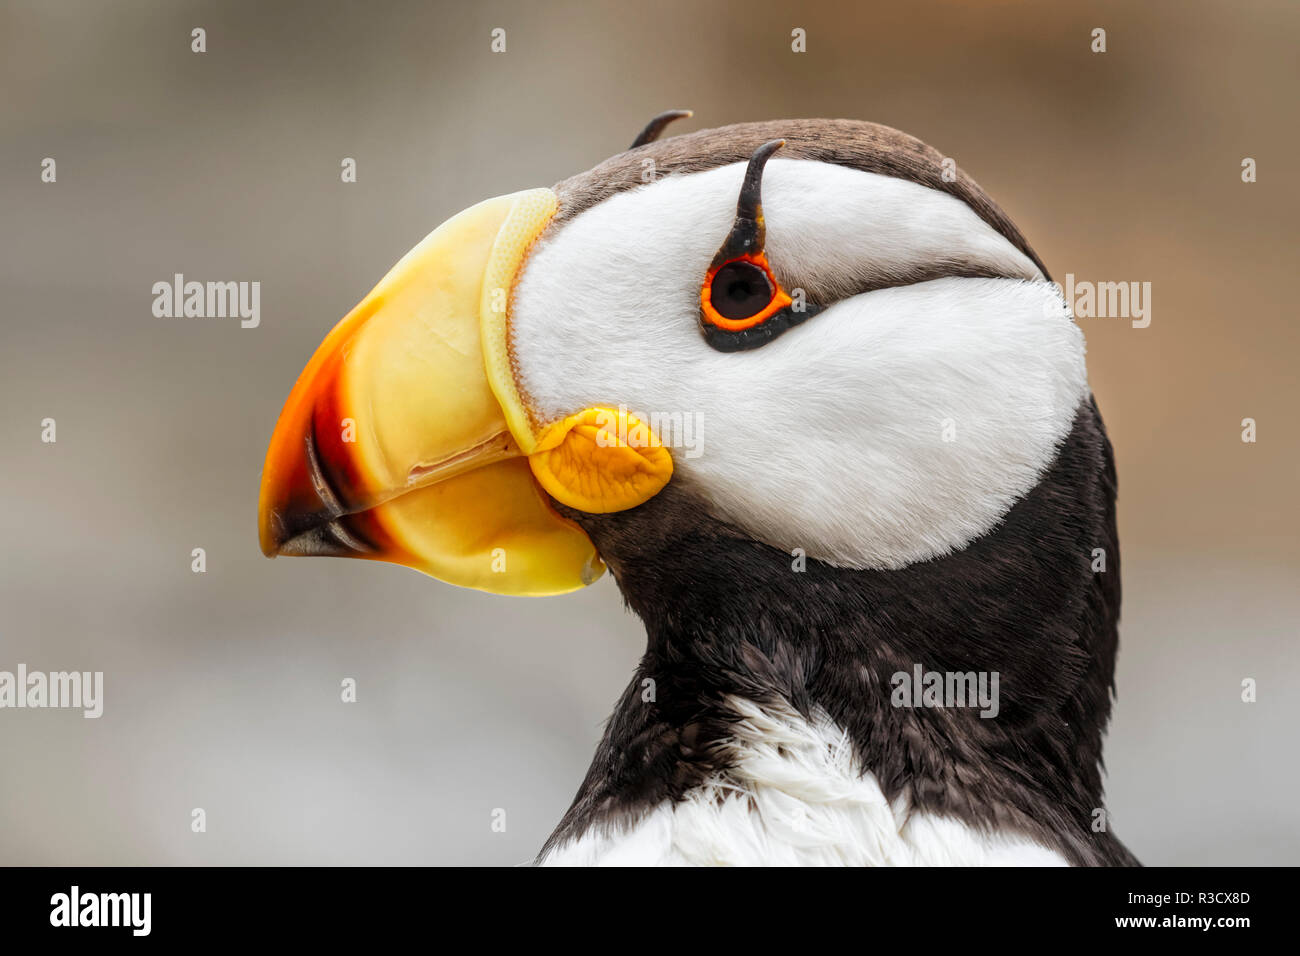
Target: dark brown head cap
[(867, 146)]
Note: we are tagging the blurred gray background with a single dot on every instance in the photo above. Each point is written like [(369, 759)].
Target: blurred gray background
[(223, 688)]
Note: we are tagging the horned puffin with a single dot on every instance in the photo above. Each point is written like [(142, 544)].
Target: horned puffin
[(897, 472)]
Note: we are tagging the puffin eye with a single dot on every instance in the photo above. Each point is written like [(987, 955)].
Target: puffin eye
[(740, 290), (740, 294), (742, 306)]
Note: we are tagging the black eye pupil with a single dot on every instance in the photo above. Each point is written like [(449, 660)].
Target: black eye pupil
[(740, 290)]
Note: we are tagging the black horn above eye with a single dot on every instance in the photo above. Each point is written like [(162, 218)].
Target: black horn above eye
[(748, 232), (657, 126), (742, 305)]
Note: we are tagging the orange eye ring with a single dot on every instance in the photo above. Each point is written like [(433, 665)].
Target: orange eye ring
[(777, 303)]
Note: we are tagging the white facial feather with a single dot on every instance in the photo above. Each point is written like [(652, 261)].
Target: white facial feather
[(893, 427), (794, 796)]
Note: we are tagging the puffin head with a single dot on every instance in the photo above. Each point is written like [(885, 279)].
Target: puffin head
[(816, 336)]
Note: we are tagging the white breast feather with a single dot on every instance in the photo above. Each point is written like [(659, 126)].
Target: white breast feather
[(794, 796)]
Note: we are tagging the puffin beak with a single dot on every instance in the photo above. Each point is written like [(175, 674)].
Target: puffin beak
[(400, 441)]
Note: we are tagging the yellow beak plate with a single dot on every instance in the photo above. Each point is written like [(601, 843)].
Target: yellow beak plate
[(401, 440)]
